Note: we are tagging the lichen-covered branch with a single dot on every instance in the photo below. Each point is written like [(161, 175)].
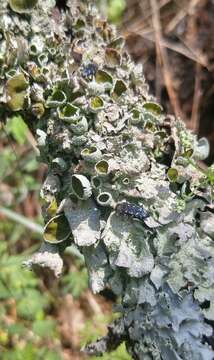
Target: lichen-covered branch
[(123, 181)]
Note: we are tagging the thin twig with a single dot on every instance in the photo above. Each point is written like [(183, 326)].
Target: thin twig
[(182, 49), (163, 57), (181, 14), (130, 19), (194, 121)]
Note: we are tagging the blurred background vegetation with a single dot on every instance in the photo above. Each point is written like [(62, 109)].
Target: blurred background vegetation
[(46, 318)]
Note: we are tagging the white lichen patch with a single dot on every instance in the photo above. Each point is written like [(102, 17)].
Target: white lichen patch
[(84, 221)]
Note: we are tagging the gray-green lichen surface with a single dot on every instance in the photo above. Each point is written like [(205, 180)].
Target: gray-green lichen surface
[(107, 142)]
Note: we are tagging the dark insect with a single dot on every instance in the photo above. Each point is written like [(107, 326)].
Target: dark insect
[(132, 210), (89, 70)]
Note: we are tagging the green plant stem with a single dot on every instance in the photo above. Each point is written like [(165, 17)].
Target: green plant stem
[(12, 215)]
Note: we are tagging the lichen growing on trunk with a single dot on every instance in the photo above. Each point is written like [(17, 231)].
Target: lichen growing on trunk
[(123, 182)]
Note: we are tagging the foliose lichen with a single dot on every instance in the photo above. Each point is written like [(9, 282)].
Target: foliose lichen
[(106, 141)]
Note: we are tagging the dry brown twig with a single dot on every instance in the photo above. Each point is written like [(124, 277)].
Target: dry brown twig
[(163, 59), (194, 121)]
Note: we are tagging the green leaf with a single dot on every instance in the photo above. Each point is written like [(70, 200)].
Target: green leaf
[(115, 10), (27, 352), (31, 303), (49, 355), (16, 89), (210, 174), (119, 354), (17, 128), (16, 329), (75, 282), (44, 328)]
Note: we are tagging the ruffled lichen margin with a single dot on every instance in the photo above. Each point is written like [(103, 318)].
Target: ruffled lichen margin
[(105, 140)]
